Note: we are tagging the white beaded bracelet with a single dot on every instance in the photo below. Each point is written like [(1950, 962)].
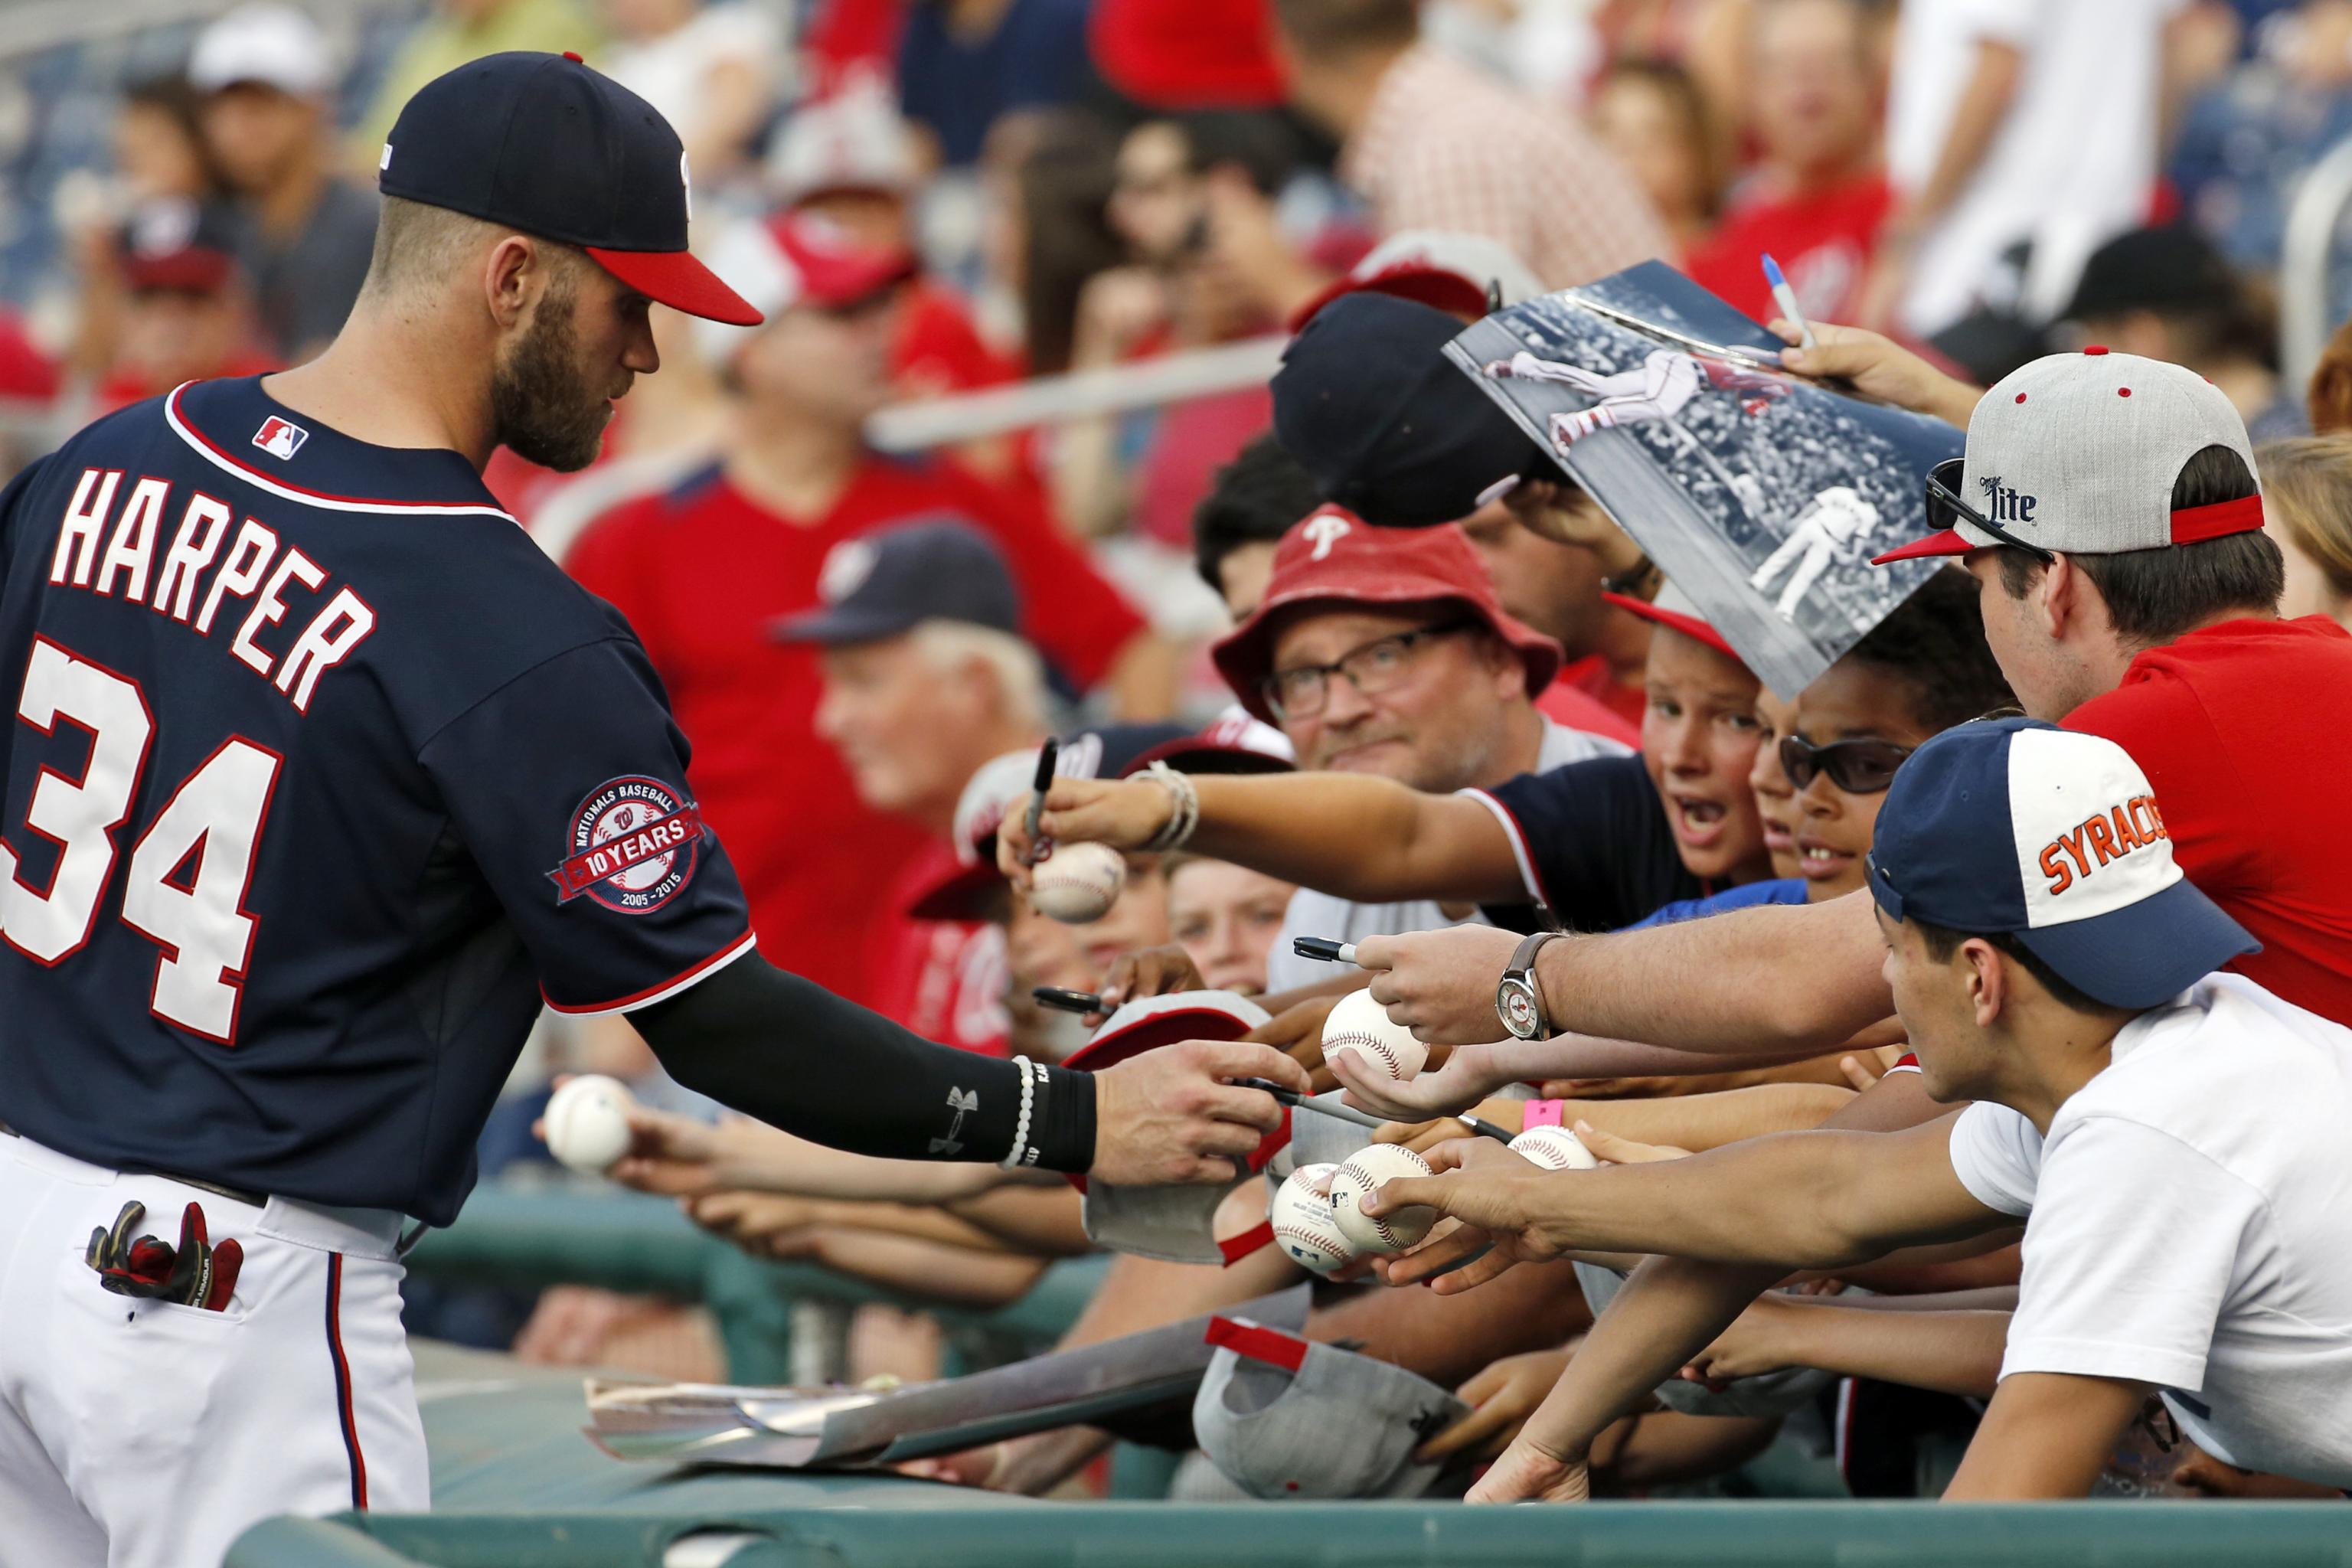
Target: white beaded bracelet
[(1012, 1159)]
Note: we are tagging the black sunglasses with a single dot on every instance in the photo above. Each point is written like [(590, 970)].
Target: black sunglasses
[(1857, 767), (1946, 510)]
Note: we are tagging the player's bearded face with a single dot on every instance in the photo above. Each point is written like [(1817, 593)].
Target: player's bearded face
[(551, 408)]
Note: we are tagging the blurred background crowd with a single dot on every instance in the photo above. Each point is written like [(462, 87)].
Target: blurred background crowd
[(933, 199)]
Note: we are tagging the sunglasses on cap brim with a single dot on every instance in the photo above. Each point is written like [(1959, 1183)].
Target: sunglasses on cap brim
[(1947, 509), (1862, 766)]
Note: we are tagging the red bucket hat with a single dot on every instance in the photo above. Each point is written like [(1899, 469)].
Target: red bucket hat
[(1334, 557)]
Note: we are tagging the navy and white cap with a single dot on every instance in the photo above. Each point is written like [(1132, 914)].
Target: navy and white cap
[(542, 144), (880, 585), (1283, 1416), (2015, 826)]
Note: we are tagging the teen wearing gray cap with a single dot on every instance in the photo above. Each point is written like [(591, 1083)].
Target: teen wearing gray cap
[(2174, 1136)]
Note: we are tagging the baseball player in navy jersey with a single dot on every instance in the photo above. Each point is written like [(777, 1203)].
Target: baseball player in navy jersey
[(321, 778)]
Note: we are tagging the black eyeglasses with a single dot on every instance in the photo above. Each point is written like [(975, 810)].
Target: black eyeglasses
[(1947, 509), (1378, 665), (1858, 767)]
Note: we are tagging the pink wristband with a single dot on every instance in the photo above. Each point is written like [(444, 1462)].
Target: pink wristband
[(1543, 1114)]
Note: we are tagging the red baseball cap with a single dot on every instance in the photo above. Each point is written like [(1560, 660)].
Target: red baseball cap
[(1449, 271), (1334, 557), (795, 258), (1674, 611)]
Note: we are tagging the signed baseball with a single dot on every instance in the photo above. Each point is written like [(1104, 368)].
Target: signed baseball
[(588, 1122), (1304, 1225), (1361, 1024), (1555, 1149), (1077, 882), (1362, 1176)]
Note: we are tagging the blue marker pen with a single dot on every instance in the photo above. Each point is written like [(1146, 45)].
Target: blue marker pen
[(1786, 298)]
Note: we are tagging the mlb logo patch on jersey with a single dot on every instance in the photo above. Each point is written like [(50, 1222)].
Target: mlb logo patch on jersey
[(631, 845), (282, 439)]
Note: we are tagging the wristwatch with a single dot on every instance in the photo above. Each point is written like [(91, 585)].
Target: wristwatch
[(1519, 1000)]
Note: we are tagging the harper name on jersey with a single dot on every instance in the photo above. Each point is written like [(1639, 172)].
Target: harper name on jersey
[(192, 579), (320, 780)]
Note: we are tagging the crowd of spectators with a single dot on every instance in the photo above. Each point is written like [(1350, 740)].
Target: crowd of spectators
[(932, 198)]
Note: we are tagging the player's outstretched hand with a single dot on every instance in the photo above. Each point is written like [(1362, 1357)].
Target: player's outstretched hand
[(1466, 1077), (1502, 1396), (1613, 1150), (1440, 983), (1879, 367), (1174, 1117), (1125, 813), (1527, 1472), (1152, 971)]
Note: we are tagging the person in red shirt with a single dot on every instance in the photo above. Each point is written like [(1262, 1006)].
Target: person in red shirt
[(705, 570), (927, 684), (1818, 195)]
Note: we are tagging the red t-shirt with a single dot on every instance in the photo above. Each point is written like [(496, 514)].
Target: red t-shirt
[(1823, 241), (703, 575), (945, 980), (2240, 729)]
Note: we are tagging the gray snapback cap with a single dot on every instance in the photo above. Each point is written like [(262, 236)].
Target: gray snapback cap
[(2078, 453), (1284, 1416)]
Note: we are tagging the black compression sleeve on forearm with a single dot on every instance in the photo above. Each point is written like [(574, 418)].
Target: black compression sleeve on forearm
[(792, 1054)]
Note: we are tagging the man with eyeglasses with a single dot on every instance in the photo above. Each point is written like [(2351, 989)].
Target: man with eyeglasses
[(1388, 653)]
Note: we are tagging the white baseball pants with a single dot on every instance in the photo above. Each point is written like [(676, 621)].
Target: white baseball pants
[(142, 1434)]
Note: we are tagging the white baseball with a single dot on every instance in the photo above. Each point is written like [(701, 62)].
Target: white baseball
[(1303, 1222), (1077, 882), (1555, 1149), (1362, 1024), (588, 1122), (1362, 1176)]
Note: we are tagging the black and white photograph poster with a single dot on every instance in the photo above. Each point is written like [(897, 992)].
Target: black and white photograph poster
[(1762, 495)]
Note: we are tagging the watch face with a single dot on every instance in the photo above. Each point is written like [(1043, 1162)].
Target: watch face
[(1518, 1008)]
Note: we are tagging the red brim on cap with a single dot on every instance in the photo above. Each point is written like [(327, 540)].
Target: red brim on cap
[(1430, 286), (1673, 620), (1948, 542), (675, 278)]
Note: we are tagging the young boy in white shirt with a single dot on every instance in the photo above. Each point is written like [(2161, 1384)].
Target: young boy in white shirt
[(2174, 1134)]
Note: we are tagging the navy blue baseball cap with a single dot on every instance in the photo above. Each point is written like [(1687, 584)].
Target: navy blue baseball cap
[(2015, 826), (1390, 428), (542, 144), (880, 585)]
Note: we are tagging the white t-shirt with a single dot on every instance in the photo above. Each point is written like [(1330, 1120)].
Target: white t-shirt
[(2191, 1225), (2072, 165), (1319, 914)]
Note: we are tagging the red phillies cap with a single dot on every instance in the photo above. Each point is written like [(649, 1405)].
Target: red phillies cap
[(1674, 611), (1334, 557), (1188, 54)]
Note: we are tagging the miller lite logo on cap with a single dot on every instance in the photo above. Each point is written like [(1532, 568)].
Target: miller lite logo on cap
[(282, 439), (631, 846)]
